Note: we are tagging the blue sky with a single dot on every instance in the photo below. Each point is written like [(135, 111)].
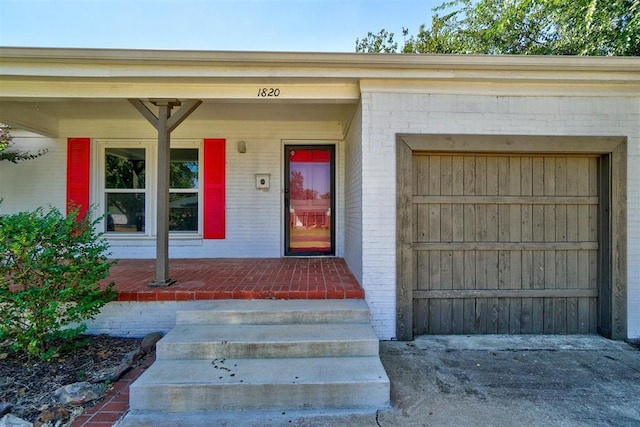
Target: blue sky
[(262, 25)]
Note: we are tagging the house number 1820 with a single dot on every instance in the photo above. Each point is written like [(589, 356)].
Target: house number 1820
[(268, 92)]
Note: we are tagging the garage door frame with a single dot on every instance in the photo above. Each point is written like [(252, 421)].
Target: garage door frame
[(612, 214)]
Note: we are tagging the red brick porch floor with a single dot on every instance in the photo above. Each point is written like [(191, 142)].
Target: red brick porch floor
[(198, 279), (251, 278)]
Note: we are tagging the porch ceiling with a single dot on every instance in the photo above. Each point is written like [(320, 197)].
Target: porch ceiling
[(44, 115)]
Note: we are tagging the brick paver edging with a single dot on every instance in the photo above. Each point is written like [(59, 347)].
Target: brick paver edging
[(116, 401)]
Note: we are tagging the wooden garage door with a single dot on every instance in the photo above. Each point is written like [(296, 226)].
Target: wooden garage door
[(504, 243)]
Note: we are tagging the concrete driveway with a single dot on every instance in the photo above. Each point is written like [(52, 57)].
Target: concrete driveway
[(505, 381), (512, 381)]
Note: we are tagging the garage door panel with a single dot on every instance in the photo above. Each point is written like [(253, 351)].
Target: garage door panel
[(502, 315), (505, 224), (446, 175), (561, 176), (433, 186), (584, 308), (549, 174), (434, 316), (446, 316), (457, 316), (537, 223), (457, 222), (549, 317), (420, 315), (549, 269), (561, 223), (561, 270), (516, 315), (505, 244), (446, 223), (572, 316), (458, 181), (479, 268), (480, 176), (434, 270), (421, 223), (446, 270), (468, 321), (537, 176), (423, 279), (516, 272)]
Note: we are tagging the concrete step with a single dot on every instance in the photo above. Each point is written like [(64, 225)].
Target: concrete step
[(261, 384), (226, 359), (269, 341), (276, 312), (262, 418)]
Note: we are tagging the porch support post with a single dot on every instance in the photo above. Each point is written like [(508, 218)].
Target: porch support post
[(164, 123), (162, 199)]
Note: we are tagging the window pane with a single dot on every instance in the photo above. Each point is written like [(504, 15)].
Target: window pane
[(125, 212), (310, 203), (183, 212), (124, 167), (183, 171)]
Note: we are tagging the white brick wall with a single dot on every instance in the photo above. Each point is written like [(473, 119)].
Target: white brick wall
[(353, 196), (633, 219), (136, 319), (39, 182), (378, 203), (386, 114), (254, 218)]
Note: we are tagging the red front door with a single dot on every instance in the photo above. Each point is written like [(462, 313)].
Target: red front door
[(309, 200)]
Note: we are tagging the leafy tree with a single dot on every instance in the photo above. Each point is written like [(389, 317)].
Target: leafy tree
[(298, 190), (530, 27), (13, 156), (296, 184), (377, 43)]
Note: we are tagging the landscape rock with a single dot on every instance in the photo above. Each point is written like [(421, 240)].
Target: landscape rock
[(10, 420), (5, 408), (78, 393), (133, 356), (110, 375), (149, 341), (55, 416)]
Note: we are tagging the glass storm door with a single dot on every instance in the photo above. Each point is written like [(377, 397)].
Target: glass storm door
[(309, 200)]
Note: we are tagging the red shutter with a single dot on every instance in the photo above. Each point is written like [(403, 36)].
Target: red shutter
[(78, 154), (214, 188)]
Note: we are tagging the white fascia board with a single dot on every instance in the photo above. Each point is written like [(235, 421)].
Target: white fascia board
[(303, 59), (115, 63)]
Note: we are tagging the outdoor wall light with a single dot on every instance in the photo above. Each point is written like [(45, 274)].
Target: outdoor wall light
[(242, 147)]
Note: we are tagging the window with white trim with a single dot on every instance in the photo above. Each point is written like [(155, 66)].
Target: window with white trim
[(127, 189), (183, 190)]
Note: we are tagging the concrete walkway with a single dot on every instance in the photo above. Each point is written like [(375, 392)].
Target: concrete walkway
[(493, 381)]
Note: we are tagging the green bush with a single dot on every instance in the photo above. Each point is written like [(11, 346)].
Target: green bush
[(50, 266)]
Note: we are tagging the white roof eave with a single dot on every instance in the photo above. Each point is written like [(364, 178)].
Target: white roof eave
[(114, 63)]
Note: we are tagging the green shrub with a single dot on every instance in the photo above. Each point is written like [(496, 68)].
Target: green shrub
[(50, 266)]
